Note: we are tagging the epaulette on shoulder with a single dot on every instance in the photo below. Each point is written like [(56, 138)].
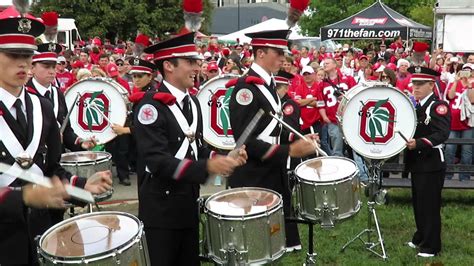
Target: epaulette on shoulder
[(231, 83), (136, 96), (166, 98), (254, 80), (31, 90)]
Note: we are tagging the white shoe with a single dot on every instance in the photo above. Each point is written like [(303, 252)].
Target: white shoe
[(425, 255), (293, 248), (410, 244)]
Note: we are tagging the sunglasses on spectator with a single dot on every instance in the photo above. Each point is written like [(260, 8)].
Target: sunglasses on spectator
[(384, 77), (62, 63), (119, 64)]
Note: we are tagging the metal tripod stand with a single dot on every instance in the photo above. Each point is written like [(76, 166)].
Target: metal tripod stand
[(373, 190)]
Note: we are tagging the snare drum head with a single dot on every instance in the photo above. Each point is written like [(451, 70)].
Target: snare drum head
[(90, 235), (97, 96), (214, 100), (85, 156), (243, 201), (371, 118), (326, 169)]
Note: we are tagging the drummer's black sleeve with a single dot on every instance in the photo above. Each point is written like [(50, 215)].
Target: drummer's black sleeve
[(440, 124), (70, 140), (154, 142), (240, 117)]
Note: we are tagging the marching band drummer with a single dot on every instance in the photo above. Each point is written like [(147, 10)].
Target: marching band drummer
[(292, 116), (29, 133), (168, 132), (425, 161), (266, 165), (42, 84), (142, 76)]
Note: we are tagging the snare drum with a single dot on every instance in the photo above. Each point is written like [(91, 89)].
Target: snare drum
[(370, 115), (102, 102), (245, 226), (103, 238), (327, 189), (86, 163), (214, 100)]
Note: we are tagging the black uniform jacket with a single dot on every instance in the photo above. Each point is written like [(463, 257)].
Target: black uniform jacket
[(14, 238), (427, 158), (70, 139), (265, 161), (168, 195), (291, 115)]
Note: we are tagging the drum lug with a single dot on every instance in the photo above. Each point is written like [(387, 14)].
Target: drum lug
[(328, 215)]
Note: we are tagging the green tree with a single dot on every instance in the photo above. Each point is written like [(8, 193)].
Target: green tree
[(122, 17)]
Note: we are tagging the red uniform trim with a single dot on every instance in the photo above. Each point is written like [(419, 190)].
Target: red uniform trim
[(182, 167), (425, 140), (273, 149)]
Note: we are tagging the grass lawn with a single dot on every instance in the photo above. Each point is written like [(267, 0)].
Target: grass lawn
[(397, 225)]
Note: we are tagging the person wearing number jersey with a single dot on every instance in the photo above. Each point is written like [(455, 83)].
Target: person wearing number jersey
[(459, 129), (329, 91)]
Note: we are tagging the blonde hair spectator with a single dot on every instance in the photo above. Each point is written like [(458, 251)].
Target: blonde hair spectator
[(83, 73), (97, 72)]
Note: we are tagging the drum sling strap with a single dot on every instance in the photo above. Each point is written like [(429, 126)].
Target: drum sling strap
[(188, 130), (13, 145), (265, 135)]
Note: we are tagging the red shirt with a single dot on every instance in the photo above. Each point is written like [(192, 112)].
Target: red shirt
[(455, 106), (66, 79), (309, 114), (124, 84), (326, 98)]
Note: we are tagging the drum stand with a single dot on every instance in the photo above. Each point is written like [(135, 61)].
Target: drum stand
[(311, 255), (373, 189)]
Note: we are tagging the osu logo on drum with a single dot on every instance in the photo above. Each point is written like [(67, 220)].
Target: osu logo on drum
[(376, 123), (93, 111)]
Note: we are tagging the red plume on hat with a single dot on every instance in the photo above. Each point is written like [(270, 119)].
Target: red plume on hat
[(192, 14), (295, 11), (420, 47), (142, 41), (50, 21)]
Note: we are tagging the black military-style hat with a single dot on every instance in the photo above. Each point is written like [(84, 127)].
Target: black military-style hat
[(47, 52), (17, 34), (141, 66), (420, 73), (272, 38), (283, 77), (182, 46)]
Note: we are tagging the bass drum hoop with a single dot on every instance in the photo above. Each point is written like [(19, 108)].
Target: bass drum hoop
[(91, 258), (243, 217)]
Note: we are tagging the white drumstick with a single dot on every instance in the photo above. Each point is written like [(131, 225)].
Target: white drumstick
[(93, 105)]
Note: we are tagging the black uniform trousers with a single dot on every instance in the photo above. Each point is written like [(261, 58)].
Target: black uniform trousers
[(426, 199), (119, 148), (173, 247)]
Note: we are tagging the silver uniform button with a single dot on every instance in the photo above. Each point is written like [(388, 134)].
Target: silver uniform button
[(4, 154), (167, 192), (192, 152), (179, 139)]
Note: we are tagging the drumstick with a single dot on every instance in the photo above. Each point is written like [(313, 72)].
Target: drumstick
[(27, 175), (401, 135), (316, 146), (249, 129), (66, 119), (93, 105)]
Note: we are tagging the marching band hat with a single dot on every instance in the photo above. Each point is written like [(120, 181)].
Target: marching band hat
[(182, 46), (420, 73), (47, 52), (141, 66), (420, 47), (272, 38), (17, 34), (283, 77)]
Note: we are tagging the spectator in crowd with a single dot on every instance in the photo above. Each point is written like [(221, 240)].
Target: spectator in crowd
[(202, 76), (459, 128), (304, 58), (212, 70), (84, 57), (83, 73), (104, 62), (388, 75), (112, 72), (97, 72), (305, 96), (63, 76), (362, 65)]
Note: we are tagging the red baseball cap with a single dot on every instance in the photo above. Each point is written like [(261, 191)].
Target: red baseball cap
[(112, 70), (77, 64), (212, 66)]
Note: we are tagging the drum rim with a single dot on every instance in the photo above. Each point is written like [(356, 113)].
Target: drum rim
[(108, 157), (100, 79), (243, 217), (335, 181), (274, 258), (90, 258), (227, 75), (340, 117)]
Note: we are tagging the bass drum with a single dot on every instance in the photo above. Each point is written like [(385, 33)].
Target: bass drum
[(372, 116), (214, 100), (100, 103)]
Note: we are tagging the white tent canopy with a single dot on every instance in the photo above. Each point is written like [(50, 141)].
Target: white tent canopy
[(270, 24)]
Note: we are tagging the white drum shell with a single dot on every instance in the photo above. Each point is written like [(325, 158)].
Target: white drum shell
[(350, 120), (250, 236), (339, 193), (132, 251), (119, 106)]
